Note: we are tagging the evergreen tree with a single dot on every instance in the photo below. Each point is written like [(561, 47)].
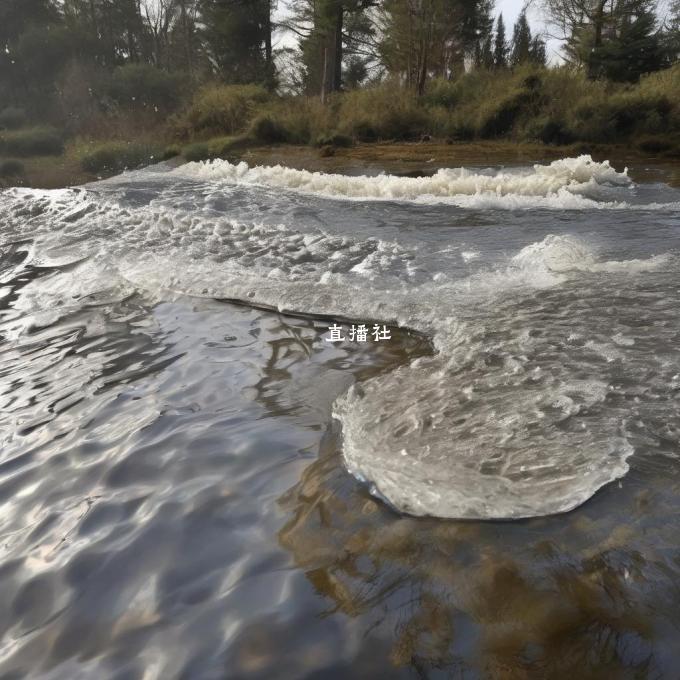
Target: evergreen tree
[(671, 35), (537, 53), (635, 49), (421, 39), (522, 42), (333, 35), (322, 46), (238, 38), (32, 48), (476, 27), (484, 53), (500, 50)]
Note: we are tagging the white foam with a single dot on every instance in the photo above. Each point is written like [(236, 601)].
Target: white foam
[(564, 253), (574, 183)]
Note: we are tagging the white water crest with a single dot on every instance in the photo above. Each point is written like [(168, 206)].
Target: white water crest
[(521, 409), (568, 183)]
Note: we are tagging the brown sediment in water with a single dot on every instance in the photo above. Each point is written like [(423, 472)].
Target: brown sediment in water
[(417, 159), (400, 158), (541, 598)]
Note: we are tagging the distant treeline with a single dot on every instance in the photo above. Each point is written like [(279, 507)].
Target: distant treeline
[(73, 49)]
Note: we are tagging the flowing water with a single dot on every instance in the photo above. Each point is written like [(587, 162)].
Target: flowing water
[(193, 488)]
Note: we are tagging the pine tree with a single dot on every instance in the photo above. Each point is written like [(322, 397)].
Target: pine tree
[(635, 49), (33, 47), (484, 53), (476, 25), (522, 42), (238, 37), (500, 50), (538, 54), (322, 47), (672, 32)]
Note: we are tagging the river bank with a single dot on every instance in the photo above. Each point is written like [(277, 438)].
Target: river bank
[(400, 158)]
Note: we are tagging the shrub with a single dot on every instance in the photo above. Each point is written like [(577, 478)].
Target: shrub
[(654, 144), (498, 118), (145, 85), (40, 141), (548, 131), (620, 116), (266, 128), (665, 82), (221, 146), (442, 92), (199, 151), (12, 118), (170, 152), (384, 112), (298, 120), (11, 168), (222, 109), (461, 132), (115, 157)]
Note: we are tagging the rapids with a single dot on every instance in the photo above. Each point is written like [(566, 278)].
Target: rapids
[(552, 334)]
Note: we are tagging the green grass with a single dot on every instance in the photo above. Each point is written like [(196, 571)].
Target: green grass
[(115, 157), (12, 118), (11, 168), (528, 104), (215, 147), (38, 141), (221, 109)]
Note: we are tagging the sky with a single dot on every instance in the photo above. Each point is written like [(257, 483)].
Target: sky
[(511, 10)]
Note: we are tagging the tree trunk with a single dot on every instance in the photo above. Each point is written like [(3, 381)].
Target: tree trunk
[(324, 76), (598, 24), (337, 52), (269, 61)]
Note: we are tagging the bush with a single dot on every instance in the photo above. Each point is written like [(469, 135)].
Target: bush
[(498, 118), (40, 141), (266, 128), (297, 120), (384, 112), (170, 152), (222, 109), (11, 168), (442, 92), (621, 116), (197, 152), (548, 131), (145, 86), (12, 118), (115, 157), (655, 144)]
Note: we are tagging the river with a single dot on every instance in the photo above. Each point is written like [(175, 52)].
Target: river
[(197, 482)]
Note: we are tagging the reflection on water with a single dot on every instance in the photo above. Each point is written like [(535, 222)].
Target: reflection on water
[(593, 593), (140, 524), (144, 450)]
